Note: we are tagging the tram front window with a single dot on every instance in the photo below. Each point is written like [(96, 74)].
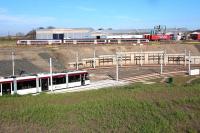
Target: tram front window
[(6, 88)]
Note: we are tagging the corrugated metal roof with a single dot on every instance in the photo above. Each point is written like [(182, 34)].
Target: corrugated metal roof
[(64, 29)]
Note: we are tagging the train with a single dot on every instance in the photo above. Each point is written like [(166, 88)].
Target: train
[(158, 37), (84, 41), (195, 36), (41, 82)]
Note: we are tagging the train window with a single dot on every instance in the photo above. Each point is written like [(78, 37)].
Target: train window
[(26, 85), (74, 78), (57, 81), (0, 87)]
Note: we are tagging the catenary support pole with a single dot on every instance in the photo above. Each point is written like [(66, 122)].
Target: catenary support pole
[(161, 65), (94, 60), (185, 57), (121, 63), (165, 57), (13, 63), (77, 61), (51, 74), (189, 66), (117, 68), (141, 56)]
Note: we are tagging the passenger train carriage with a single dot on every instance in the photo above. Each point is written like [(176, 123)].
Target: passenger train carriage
[(42, 82), (84, 41)]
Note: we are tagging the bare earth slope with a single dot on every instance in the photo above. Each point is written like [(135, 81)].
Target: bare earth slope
[(32, 59)]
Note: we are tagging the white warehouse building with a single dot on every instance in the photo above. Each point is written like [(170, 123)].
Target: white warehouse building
[(90, 33), (72, 33)]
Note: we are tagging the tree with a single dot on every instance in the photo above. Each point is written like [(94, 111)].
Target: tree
[(50, 27), (40, 28), (19, 34), (101, 29)]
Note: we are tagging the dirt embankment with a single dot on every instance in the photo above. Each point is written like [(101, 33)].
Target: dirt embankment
[(32, 59)]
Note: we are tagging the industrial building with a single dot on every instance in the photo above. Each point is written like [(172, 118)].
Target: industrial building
[(61, 34), (82, 33), (90, 33)]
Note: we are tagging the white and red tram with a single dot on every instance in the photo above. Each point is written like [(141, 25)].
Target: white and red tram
[(42, 82)]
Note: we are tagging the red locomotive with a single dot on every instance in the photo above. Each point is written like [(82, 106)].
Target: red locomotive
[(157, 37), (195, 36)]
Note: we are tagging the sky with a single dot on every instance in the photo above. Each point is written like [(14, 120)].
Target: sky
[(25, 15)]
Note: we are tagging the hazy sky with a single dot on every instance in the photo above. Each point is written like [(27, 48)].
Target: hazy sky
[(24, 15)]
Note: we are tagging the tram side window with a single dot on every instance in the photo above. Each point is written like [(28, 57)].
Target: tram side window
[(6, 87), (57, 81), (74, 78), (26, 85)]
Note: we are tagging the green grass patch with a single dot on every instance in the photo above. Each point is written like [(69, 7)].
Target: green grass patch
[(194, 43), (134, 108)]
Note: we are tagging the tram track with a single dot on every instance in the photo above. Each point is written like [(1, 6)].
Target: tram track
[(123, 81), (147, 77)]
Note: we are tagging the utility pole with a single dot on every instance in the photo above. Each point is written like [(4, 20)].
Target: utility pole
[(13, 63), (77, 61), (117, 68), (189, 66), (51, 74)]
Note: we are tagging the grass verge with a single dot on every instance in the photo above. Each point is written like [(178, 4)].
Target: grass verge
[(134, 108)]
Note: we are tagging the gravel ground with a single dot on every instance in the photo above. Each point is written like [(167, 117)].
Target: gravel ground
[(21, 66), (55, 61), (130, 71)]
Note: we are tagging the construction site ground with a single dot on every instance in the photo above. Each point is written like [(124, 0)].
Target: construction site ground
[(35, 59)]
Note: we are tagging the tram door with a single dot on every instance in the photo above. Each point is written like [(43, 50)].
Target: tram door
[(83, 79), (6, 88), (44, 84)]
